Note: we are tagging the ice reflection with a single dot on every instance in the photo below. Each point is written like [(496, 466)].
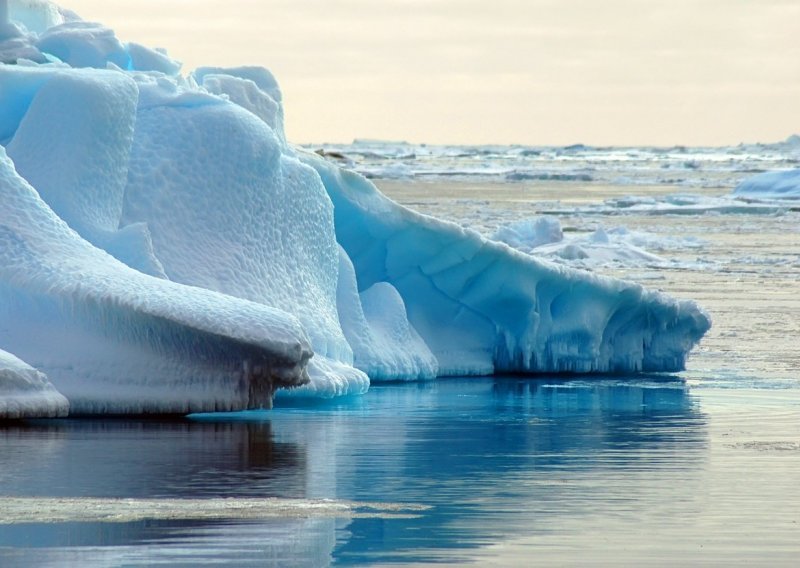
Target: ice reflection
[(496, 459)]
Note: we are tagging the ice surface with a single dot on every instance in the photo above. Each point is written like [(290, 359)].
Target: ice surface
[(84, 44), (482, 307), (35, 15), (782, 184), (145, 59), (26, 393), (563, 166), (675, 204), (544, 237), (230, 209), (72, 142), (114, 340), (252, 88)]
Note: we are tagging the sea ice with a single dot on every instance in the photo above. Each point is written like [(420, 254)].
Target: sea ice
[(782, 184), (527, 234), (597, 249)]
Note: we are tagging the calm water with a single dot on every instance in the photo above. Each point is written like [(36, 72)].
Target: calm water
[(508, 470), (701, 468)]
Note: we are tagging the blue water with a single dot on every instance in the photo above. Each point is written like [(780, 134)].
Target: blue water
[(492, 458), (483, 470)]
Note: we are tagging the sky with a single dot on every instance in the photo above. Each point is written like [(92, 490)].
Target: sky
[(602, 72)]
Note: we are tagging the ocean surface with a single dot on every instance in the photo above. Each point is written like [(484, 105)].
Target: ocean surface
[(700, 467)]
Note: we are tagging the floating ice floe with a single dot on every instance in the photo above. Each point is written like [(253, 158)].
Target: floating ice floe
[(543, 237), (164, 249), (675, 204), (782, 184)]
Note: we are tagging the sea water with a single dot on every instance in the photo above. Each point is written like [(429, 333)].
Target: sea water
[(695, 468)]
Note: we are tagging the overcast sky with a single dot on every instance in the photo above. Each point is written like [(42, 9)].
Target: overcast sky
[(498, 71)]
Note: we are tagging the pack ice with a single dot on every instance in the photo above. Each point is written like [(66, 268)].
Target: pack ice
[(163, 249)]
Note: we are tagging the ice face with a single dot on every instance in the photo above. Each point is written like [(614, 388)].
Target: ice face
[(114, 340), (385, 345)]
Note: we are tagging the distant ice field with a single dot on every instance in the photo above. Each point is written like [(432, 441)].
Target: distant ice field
[(687, 167)]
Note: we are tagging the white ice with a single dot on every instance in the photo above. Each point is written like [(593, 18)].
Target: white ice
[(114, 340)]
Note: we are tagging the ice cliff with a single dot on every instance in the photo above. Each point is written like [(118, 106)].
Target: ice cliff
[(164, 249)]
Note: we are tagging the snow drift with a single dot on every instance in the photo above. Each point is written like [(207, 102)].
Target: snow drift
[(164, 249)]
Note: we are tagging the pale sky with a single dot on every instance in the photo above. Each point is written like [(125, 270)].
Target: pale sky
[(603, 72)]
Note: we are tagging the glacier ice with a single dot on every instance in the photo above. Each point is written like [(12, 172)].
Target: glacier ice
[(164, 249), (375, 323), (781, 184)]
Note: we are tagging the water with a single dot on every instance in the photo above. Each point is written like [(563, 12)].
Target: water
[(458, 470), (697, 468)]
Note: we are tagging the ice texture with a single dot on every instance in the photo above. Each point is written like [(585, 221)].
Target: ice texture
[(782, 184), (230, 209), (26, 393), (482, 307), (114, 340), (163, 249)]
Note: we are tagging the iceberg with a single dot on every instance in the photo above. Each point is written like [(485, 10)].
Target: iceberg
[(164, 249), (781, 184)]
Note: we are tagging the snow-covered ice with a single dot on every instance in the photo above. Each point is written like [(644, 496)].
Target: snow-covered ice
[(164, 249)]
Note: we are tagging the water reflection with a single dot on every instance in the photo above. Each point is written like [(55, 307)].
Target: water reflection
[(494, 458), (148, 459), (503, 456)]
